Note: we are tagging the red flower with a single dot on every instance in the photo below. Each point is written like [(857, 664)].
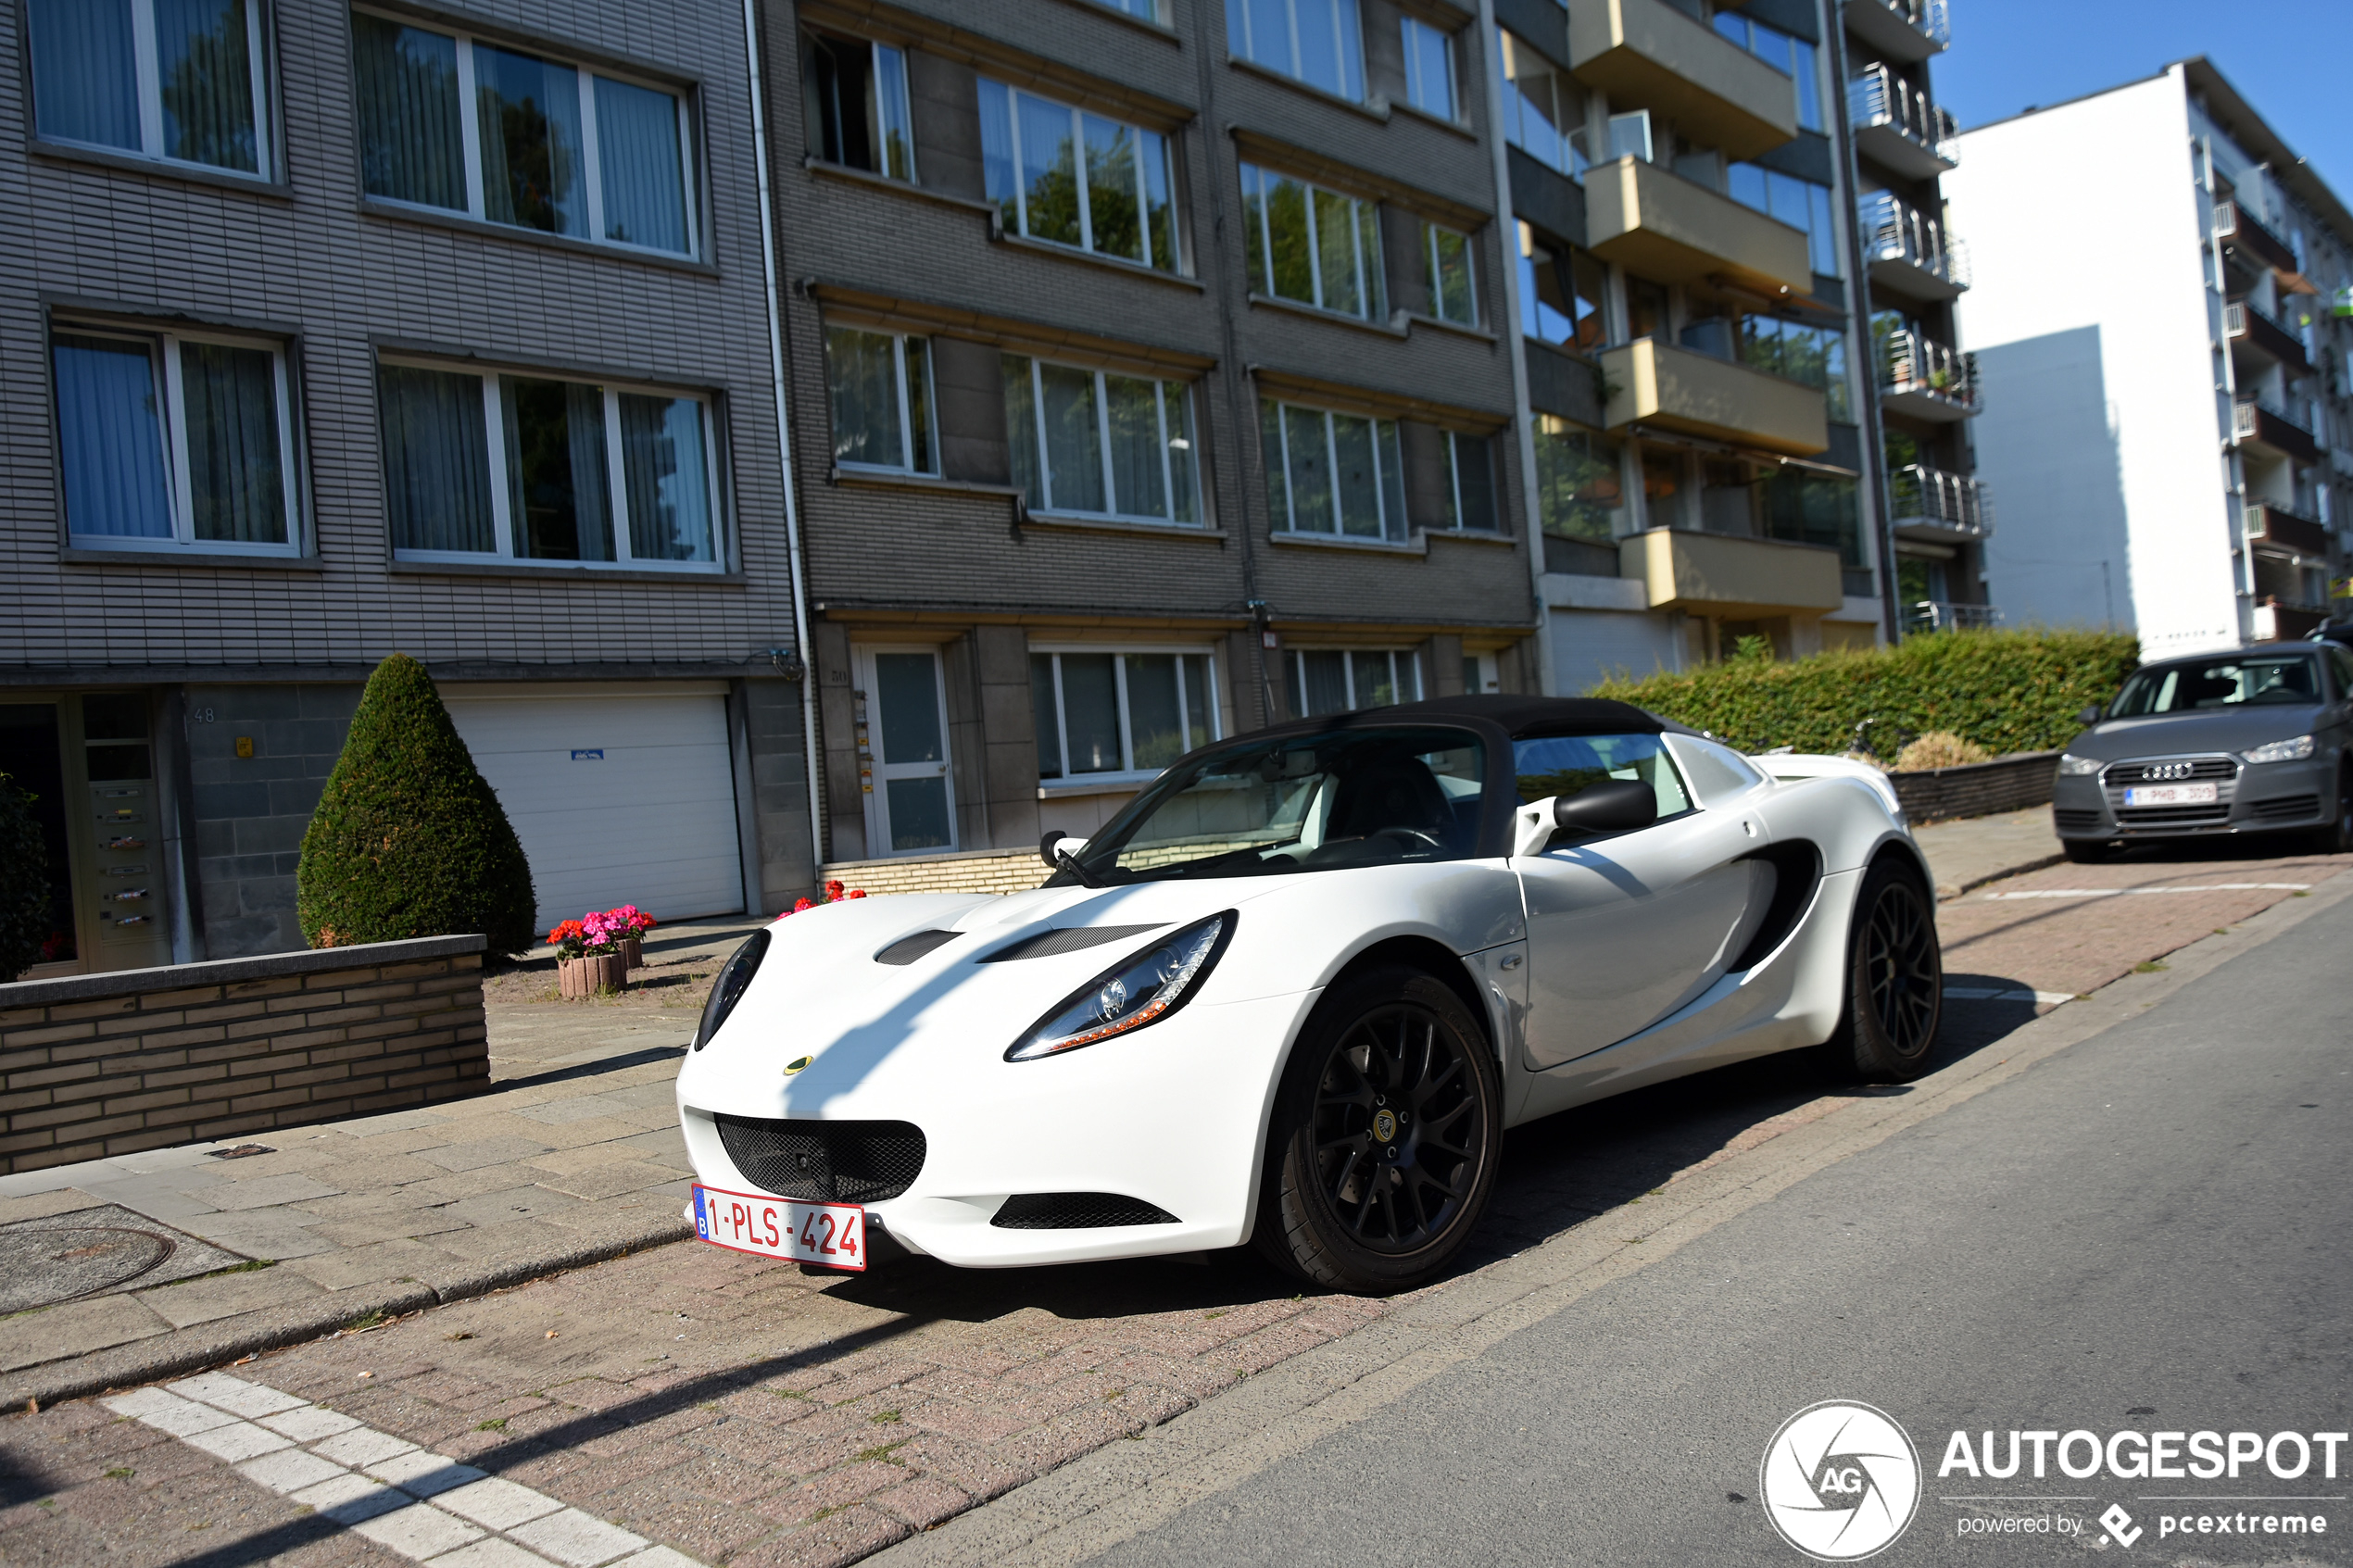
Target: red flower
[(857, 893), (833, 890), (798, 904)]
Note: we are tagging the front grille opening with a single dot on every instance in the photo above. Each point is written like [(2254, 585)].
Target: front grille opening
[(824, 1161), (2286, 807), (1076, 1212), (2167, 815), (2177, 771)]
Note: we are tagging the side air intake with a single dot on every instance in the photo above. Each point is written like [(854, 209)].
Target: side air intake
[(1076, 1212)]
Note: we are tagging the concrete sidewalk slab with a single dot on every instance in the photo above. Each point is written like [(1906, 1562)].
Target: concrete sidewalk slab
[(1965, 855)]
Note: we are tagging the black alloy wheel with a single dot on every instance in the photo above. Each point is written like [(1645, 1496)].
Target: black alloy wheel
[(1386, 1136), (1895, 997)]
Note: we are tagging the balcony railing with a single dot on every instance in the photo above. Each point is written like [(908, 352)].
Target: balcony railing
[(1881, 102), (1931, 18), (2242, 320), (2237, 226), (2285, 531), (1941, 615), (1931, 503), (1900, 236), (1927, 375), (2257, 425)]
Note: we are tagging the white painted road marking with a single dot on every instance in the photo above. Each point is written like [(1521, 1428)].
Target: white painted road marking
[(2131, 892), (376, 1485)]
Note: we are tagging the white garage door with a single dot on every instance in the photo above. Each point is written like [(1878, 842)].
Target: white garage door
[(620, 795)]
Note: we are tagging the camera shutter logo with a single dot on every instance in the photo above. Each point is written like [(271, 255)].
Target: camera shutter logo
[(1840, 1480)]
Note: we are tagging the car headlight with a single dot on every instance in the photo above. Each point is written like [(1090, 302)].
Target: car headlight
[(2295, 750), (2074, 767), (1141, 990), (728, 989)]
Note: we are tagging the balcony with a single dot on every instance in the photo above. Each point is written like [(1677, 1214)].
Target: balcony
[(2285, 532), (1945, 508), (2248, 328), (1647, 54), (1908, 251), (1900, 29), (1676, 390), (1943, 615), (1675, 231), (1724, 575), (2236, 229), (2268, 432), (1899, 128), (1925, 379)]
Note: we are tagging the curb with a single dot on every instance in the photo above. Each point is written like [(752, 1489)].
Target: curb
[(178, 1352), (2006, 871)]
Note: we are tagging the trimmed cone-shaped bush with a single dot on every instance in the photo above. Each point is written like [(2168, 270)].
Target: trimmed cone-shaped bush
[(24, 883), (409, 839)]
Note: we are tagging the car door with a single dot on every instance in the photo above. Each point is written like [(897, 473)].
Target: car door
[(1626, 929)]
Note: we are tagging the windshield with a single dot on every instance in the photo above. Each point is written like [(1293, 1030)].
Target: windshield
[(1300, 803), (2227, 680)]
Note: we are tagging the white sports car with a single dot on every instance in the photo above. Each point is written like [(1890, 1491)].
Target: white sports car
[(1293, 994)]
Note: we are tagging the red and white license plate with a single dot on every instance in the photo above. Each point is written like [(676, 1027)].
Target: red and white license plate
[(2172, 794), (831, 1233)]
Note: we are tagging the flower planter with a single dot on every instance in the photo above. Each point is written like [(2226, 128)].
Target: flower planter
[(633, 952), (585, 976)]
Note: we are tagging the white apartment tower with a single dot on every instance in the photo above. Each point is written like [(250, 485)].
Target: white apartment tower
[(2161, 328)]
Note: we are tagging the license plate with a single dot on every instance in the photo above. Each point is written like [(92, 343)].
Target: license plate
[(2173, 795), (830, 1234)]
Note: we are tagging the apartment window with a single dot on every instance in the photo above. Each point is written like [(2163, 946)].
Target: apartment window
[(1560, 293), (1580, 483), (1342, 680), (1311, 245), (1470, 483), (181, 80), (882, 397), (1317, 42), (854, 96), (1543, 111), (1100, 444), (1791, 56), (1800, 203), (1815, 508), (165, 440), (538, 469), (1447, 256), (1144, 10), (450, 122), (1332, 473), (1815, 357), (1031, 152), (1430, 68), (1100, 712)]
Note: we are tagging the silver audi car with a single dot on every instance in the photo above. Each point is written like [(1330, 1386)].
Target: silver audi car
[(2250, 741)]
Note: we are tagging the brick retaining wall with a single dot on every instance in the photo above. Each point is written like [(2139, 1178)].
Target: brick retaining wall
[(103, 1064), (981, 871), (1978, 789)]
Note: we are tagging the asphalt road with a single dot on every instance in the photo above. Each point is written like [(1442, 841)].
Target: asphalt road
[(2146, 1232)]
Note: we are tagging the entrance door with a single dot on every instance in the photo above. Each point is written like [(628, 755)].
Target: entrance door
[(911, 805), (33, 760), (1623, 931)]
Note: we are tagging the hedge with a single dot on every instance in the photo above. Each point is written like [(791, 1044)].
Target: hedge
[(2008, 691), (409, 838)]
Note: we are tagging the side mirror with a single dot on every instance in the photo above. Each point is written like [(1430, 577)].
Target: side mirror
[(1613, 806), (2091, 716), (1058, 847)]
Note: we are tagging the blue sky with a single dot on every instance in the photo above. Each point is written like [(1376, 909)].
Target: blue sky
[(2291, 59)]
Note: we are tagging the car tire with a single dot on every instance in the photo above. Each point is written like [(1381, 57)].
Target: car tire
[(1895, 979), (2337, 837), (1388, 1127), (2088, 851)]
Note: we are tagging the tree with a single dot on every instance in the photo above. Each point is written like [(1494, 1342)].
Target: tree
[(409, 838), (24, 883)]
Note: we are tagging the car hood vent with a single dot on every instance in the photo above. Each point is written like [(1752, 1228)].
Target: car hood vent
[(1071, 940), (907, 949)]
